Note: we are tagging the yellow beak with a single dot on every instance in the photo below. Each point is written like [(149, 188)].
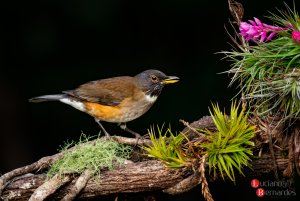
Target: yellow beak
[(170, 80)]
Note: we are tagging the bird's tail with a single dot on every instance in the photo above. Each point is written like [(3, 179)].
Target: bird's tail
[(55, 97)]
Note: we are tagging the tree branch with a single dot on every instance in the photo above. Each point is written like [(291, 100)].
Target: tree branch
[(131, 177)]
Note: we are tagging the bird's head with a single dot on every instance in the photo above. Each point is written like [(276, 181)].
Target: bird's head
[(153, 81)]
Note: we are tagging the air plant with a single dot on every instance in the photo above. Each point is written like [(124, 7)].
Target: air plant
[(229, 148), (268, 68), (167, 147)]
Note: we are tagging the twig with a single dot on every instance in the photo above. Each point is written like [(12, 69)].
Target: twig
[(78, 186), (236, 9), (204, 185), (131, 141), (38, 165), (49, 187), (186, 124), (277, 147)]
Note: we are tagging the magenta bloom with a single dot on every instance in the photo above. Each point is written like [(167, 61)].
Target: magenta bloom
[(255, 30), (296, 36)]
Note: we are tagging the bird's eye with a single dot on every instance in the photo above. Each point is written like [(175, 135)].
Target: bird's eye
[(154, 78)]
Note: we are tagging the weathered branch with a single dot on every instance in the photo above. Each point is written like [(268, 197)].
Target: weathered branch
[(133, 178), (137, 177), (140, 176)]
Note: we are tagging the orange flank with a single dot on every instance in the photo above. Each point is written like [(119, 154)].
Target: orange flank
[(103, 112)]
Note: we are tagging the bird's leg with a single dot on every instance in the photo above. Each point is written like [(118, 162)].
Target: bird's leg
[(124, 127), (102, 128)]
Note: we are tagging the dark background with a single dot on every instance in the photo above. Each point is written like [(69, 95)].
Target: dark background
[(50, 46)]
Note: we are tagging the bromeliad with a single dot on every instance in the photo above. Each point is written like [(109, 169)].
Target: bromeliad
[(256, 30)]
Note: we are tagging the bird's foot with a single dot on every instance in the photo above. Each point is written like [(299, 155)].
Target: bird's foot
[(137, 135), (124, 127)]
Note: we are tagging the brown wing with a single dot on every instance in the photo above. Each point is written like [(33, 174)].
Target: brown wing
[(109, 91)]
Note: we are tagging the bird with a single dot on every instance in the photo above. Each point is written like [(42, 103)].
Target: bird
[(116, 100)]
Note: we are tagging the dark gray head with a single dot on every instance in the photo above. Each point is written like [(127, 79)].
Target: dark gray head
[(153, 81)]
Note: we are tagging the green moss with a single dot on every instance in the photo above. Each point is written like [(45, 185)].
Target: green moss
[(95, 156)]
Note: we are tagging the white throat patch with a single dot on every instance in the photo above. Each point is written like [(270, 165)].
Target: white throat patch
[(76, 104), (151, 99)]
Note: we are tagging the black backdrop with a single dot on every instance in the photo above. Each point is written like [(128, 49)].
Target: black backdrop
[(50, 46)]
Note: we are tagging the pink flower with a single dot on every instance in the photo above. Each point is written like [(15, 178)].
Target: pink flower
[(296, 36), (256, 30)]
